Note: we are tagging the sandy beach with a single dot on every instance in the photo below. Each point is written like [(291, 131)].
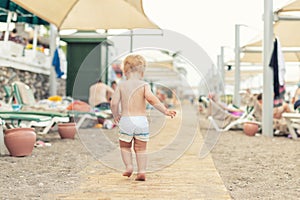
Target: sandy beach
[(257, 167), (89, 167)]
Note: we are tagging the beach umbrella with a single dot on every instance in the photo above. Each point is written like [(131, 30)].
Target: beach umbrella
[(90, 15)]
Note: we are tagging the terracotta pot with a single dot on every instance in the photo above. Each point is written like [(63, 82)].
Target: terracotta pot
[(250, 128), (67, 130), (20, 141)]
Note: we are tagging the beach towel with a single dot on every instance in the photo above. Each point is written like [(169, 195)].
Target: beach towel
[(278, 66), (56, 64)]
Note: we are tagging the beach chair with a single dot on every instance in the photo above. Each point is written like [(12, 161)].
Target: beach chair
[(8, 94), (24, 96), (293, 123), (25, 120), (280, 126), (22, 120), (80, 116), (36, 118), (223, 121)]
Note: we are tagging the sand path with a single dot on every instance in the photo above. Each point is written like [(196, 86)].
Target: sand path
[(183, 176)]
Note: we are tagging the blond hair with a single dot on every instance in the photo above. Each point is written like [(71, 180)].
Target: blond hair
[(134, 63)]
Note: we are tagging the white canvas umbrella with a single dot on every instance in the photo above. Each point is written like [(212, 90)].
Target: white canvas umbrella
[(90, 15), (291, 7), (287, 32)]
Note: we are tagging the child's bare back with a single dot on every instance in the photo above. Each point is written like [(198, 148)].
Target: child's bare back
[(132, 96)]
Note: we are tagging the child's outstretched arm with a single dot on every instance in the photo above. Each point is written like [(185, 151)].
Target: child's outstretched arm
[(114, 105), (155, 102)]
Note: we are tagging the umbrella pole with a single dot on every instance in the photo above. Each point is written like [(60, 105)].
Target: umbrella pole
[(236, 97), (267, 122), (222, 70), (131, 40), (218, 72)]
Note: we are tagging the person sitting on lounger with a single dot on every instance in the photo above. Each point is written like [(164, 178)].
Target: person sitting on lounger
[(100, 94), (279, 123), (277, 111)]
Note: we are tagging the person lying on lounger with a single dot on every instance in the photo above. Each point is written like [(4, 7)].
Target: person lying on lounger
[(231, 109)]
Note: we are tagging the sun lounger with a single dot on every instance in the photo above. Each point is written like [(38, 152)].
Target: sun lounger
[(27, 115), (80, 116), (280, 125), (25, 97), (31, 120), (19, 119), (224, 121), (293, 122), (26, 120), (8, 94)]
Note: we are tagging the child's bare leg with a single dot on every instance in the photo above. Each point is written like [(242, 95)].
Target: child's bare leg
[(141, 158), (126, 157)]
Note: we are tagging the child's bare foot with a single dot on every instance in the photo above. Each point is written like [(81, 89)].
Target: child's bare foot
[(129, 170), (127, 173), (140, 177)]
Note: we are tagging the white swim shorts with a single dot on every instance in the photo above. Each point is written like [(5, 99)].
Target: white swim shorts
[(134, 127)]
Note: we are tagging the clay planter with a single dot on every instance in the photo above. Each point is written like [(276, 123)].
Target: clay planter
[(250, 128), (67, 130), (20, 141)]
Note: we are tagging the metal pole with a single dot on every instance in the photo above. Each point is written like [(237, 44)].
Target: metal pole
[(286, 18), (236, 97), (222, 69), (218, 73), (52, 77), (131, 40), (8, 20), (35, 39), (267, 119), (106, 62)]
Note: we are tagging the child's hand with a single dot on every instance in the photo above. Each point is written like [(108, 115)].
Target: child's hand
[(117, 119), (170, 113)]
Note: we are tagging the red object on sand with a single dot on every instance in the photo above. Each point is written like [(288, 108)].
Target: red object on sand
[(67, 130), (250, 128), (20, 141)]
